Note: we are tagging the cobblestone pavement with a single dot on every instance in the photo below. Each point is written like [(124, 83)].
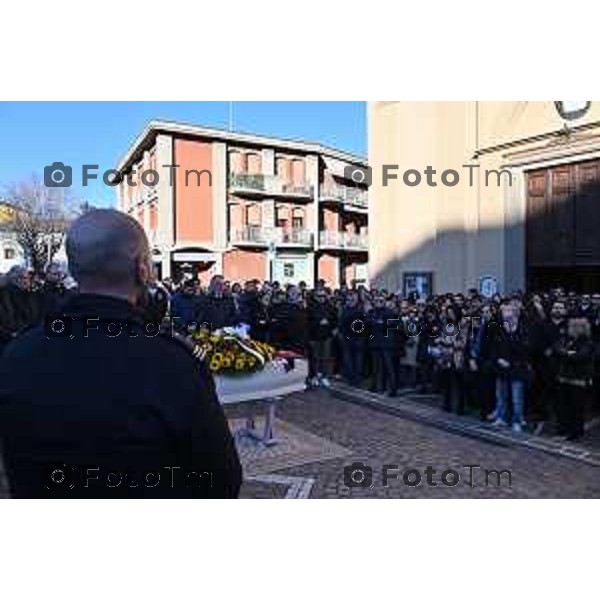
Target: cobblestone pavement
[(377, 438)]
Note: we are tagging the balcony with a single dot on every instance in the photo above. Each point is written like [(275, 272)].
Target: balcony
[(343, 240), (331, 239), (255, 235), (268, 185), (356, 241), (356, 199), (293, 237), (333, 193), (352, 198)]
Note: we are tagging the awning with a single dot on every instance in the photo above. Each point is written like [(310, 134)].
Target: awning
[(194, 256)]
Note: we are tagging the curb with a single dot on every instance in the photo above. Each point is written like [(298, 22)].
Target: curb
[(403, 406)]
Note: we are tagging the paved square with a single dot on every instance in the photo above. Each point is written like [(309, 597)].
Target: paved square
[(377, 438)]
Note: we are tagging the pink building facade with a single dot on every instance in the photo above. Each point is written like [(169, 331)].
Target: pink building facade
[(246, 206)]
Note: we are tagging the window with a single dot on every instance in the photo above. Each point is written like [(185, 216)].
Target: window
[(254, 162), (9, 253), (253, 215), (282, 217), (297, 218), (283, 169), (288, 269), (419, 284)]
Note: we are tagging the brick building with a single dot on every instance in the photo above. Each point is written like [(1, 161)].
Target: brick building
[(246, 206)]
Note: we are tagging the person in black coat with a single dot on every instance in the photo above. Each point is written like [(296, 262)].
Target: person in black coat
[(288, 321), (547, 364), (322, 322), (249, 308), (53, 293), (383, 346), (186, 306), (575, 354), (481, 372), (353, 332), (20, 307), (105, 409), (217, 308)]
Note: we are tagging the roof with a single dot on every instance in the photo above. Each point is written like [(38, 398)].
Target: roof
[(146, 139)]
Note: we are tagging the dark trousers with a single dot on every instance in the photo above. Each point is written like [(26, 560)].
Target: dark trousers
[(353, 356), (485, 390), (426, 376), (542, 390), (407, 375), (384, 370), (571, 410), (451, 385), (319, 357)]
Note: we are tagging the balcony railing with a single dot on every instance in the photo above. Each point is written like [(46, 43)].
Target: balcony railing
[(263, 236), (333, 191), (356, 241), (295, 237), (357, 198), (252, 234), (268, 184), (351, 197), (331, 239), (343, 240)]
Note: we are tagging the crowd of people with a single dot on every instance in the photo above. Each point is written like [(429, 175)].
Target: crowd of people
[(524, 360), (521, 360)]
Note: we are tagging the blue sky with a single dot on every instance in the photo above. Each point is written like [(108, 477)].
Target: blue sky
[(35, 134)]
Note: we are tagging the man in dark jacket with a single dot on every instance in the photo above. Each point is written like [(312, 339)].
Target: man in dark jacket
[(322, 321), (96, 404), (19, 305), (288, 321), (510, 358), (186, 306), (218, 308), (546, 383), (53, 293), (249, 308), (382, 345), (353, 333)]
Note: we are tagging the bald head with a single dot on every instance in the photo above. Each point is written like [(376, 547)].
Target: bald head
[(108, 253)]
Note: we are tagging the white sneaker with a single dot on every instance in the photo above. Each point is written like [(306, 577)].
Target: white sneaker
[(313, 382), (517, 427), (491, 416), (325, 382), (498, 423)]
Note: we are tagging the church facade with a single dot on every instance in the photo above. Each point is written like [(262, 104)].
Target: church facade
[(490, 195)]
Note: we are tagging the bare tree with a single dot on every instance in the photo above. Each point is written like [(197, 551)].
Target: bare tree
[(38, 218)]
